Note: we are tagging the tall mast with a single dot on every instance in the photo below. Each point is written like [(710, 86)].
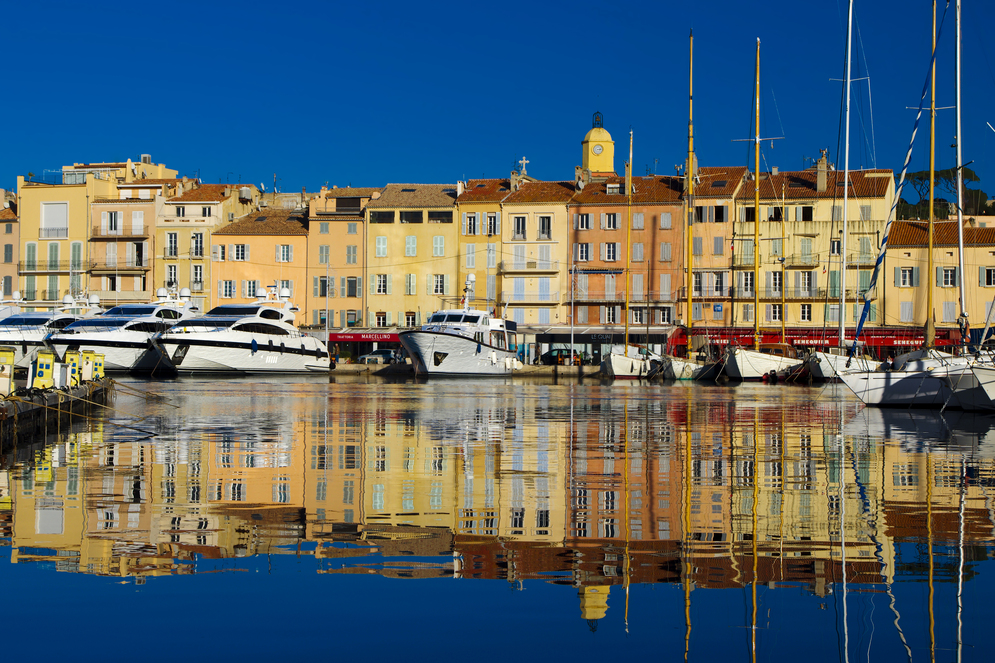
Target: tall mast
[(960, 185), (930, 332), (756, 210), (689, 174), (628, 241), (846, 178)]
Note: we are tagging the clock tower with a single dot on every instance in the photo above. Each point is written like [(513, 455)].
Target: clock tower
[(598, 148)]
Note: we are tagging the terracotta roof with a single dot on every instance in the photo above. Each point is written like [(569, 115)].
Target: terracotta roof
[(801, 184), (267, 222), (483, 191), (652, 189), (718, 182), (415, 195), (123, 200), (352, 192), (7, 214), (915, 234), (206, 193), (542, 192), (169, 180)]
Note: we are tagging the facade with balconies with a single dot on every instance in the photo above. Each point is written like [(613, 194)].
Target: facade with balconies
[(802, 245), (480, 240)]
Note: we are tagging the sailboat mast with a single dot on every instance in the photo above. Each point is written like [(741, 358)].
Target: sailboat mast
[(689, 173), (960, 184), (930, 327), (846, 179), (628, 242), (756, 209)]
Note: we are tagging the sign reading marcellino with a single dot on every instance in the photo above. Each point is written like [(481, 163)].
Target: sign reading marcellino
[(361, 336)]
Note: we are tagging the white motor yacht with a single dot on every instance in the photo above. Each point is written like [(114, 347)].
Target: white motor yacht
[(243, 338), (463, 342), (25, 332), (124, 333)]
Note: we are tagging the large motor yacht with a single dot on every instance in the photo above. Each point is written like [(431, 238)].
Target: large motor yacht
[(25, 332), (463, 342), (243, 338), (124, 333)]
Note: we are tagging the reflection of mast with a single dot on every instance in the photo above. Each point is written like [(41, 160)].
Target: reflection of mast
[(756, 495), (960, 548), (929, 539), (686, 531), (842, 497), (625, 487)]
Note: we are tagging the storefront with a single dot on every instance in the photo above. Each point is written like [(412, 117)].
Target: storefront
[(353, 344)]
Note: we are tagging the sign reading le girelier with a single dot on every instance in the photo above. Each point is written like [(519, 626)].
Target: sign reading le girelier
[(361, 336)]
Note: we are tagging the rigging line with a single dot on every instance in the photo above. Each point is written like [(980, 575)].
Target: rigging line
[(870, 101), (777, 112)]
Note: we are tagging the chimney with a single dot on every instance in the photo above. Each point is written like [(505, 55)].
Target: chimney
[(516, 180), (460, 187), (820, 172), (773, 171)]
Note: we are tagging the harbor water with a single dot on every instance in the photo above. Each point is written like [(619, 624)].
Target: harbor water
[(267, 518)]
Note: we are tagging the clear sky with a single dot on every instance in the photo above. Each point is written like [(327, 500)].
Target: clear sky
[(376, 92)]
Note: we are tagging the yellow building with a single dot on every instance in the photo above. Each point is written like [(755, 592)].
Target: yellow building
[(184, 225), (412, 257), (262, 249), (336, 255), (480, 247), (55, 219)]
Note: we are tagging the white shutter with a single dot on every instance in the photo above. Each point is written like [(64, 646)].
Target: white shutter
[(446, 286), (390, 285), (576, 221), (129, 254), (220, 288), (103, 223), (138, 223), (603, 252), (618, 313), (665, 221), (428, 283), (277, 252), (290, 257), (316, 287), (602, 311), (215, 252), (577, 250), (604, 221), (637, 221), (246, 253), (767, 308), (665, 294), (464, 223)]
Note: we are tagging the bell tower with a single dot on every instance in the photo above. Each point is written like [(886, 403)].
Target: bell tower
[(598, 148)]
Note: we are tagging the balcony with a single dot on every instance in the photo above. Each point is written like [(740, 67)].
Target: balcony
[(48, 266), (741, 259), (529, 298), (53, 233), (861, 259), (124, 230), (507, 266), (801, 260), (135, 264), (196, 286)]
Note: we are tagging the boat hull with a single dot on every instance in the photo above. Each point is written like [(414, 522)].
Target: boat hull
[(743, 364), (956, 387), (123, 352), (675, 368), (826, 367), (621, 367), (236, 353), (440, 353)]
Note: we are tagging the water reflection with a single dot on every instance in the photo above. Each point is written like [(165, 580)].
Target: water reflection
[(599, 488)]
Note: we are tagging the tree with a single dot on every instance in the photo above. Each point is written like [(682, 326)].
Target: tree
[(945, 182)]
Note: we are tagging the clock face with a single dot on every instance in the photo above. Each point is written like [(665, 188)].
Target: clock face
[(597, 149)]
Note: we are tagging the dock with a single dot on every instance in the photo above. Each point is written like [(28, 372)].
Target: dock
[(35, 412)]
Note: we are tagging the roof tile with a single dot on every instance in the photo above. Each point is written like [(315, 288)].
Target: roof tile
[(267, 222), (415, 196)]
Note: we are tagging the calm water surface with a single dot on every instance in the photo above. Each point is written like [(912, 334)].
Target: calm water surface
[(259, 520)]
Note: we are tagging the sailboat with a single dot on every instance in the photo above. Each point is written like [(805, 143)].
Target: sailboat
[(763, 359), (629, 361), (926, 377)]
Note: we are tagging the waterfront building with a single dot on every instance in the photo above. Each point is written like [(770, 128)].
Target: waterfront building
[(411, 259), (480, 246), (55, 218), (533, 263), (11, 230), (184, 226), (336, 257), (801, 244), (905, 277), (122, 240), (264, 249)]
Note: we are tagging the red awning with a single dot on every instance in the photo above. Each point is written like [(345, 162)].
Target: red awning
[(353, 337)]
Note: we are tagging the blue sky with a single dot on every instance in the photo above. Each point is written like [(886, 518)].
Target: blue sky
[(378, 92)]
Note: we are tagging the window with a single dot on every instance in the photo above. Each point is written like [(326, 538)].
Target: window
[(205, 212), (197, 245), (696, 246), (987, 280), (288, 285), (471, 225), (438, 246), (775, 312), (582, 221), (471, 256), (8, 253), (323, 228), (9, 228), (637, 252), (440, 217), (181, 211), (351, 286), (905, 312), (218, 252), (666, 251), (718, 244), (410, 246), (323, 254), (748, 312), (611, 221), (438, 284), (582, 252), (381, 217), (696, 279), (412, 217), (545, 227), (666, 315), (491, 256), (775, 283), (197, 280), (493, 227), (805, 284), (637, 316), (227, 289), (240, 252), (351, 228), (380, 321), (170, 276), (719, 288), (949, 277), (865, 212), (113, 222), (611, 251), (250, 288), (410, 320), (284, 253), (350, 254), (835, 246), (381, 283), (409, 284), (775, 247), (172, 245), (519, 227), (806, 314), (381, 246), (747, 283), (610, 314)]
